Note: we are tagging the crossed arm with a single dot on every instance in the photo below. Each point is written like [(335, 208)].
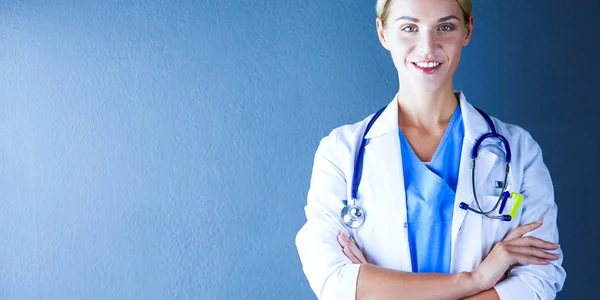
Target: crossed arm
[(332, 275), (378, 283)]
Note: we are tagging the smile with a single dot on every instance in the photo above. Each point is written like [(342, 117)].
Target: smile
[(428, 67)]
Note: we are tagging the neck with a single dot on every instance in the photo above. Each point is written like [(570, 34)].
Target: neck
[(425, 110)]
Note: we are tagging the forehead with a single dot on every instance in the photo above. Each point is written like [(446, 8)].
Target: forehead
[(424, 10)]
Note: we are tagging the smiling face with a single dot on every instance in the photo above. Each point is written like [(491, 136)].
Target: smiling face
[(425, 39)]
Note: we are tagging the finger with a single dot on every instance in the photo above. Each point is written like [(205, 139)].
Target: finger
[(534, 252), (531, 260), (350, 255), (534, 242), (521, 230), (345, 237), (343, 242), (349, 243), (358, 254)]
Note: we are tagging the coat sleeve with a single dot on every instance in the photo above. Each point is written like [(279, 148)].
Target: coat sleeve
[(330, 273), (536, 281)]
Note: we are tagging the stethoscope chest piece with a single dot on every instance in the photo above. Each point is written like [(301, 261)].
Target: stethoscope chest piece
[(353, 216)]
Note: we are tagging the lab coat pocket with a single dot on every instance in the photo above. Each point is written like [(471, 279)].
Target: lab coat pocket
[(495, 230)]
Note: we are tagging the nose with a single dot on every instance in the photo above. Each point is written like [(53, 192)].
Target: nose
[(427, 43)]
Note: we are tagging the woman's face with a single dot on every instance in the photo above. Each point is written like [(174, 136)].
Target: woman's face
[(425, 39)]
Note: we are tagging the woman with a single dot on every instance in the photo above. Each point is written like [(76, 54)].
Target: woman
[(429, 230)]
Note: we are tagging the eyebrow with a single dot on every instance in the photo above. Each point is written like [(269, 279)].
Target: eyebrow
[(448, 18), (415, 20)]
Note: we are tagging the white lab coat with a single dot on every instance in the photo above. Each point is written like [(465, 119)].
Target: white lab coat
[(384, 238)]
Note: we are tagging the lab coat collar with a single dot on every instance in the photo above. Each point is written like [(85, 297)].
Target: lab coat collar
[(475, 124), (387, 123)]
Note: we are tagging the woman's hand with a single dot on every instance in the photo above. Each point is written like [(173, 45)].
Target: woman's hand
[(514, 249), (351, 249)]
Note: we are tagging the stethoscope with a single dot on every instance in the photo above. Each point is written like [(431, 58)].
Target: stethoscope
[(353, 216)]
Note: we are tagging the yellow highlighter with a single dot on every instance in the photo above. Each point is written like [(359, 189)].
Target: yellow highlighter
[(518, 200)]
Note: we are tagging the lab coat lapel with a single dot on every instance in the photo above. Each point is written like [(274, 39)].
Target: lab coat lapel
[(387, 122), (384, 142), (475, 126)]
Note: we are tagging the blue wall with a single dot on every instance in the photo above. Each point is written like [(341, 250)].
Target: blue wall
[(151, 150)]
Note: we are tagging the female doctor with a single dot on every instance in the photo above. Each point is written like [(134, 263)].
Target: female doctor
[(430, 198)]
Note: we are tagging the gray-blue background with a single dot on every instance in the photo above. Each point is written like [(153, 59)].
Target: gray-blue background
[(163, 149)]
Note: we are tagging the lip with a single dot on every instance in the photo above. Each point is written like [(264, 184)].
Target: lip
[(427, 71)]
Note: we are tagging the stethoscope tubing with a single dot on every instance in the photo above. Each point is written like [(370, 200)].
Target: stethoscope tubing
[(352, 214)]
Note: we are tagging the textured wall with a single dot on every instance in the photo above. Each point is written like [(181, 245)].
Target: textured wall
[(153, 150)]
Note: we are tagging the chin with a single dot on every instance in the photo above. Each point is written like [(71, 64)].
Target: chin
[(424, 86)]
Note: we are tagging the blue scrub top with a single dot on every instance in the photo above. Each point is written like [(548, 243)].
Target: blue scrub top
[(430, 193)]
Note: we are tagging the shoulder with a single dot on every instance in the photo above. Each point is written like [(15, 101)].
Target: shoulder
[(525, 149), (348, 135), (514, 133), (336, 150)]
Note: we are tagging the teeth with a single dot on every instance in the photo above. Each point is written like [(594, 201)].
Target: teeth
[(428, 64)]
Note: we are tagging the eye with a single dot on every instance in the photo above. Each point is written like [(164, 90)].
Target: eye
[(446, 27), (409, 28)]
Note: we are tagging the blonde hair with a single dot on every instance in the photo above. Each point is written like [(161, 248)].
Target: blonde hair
[(383, 9)]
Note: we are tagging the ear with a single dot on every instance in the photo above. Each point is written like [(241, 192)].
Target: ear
[(469, 31), (381, 33)]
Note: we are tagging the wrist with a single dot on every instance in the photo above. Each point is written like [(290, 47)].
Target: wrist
[(472, 282)]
